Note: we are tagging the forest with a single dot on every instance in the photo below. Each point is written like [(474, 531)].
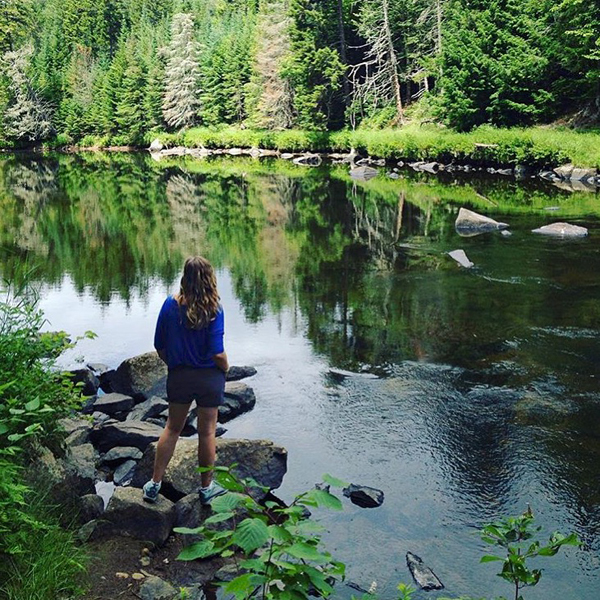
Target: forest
[(74, 70)]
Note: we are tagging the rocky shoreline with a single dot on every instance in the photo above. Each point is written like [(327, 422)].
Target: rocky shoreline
[(108, 455)]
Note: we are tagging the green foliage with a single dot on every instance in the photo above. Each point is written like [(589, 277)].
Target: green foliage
[(276, 548), (516, 536)]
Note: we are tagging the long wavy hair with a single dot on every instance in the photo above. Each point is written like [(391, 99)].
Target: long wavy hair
[(198, 292)]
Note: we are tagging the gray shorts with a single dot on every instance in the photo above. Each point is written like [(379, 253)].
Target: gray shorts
[(205, 386)]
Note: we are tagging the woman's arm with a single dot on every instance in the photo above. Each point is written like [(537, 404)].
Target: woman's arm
[(221, 361)]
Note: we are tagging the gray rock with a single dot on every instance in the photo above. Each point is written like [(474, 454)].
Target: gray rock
[(308, 160), (148, 409), (86, 381), (583, 174), (562, 230), (549, 175), (565, 171), (120, 454), (430, 167), (461, 258), (130, 433), (97, 368), (71, 425), (80, 462), (469, 222), (91, 507), (124, 472), (237, 373), (262, 460), (156, 145), (78, 437), (228, 572), (239, 398), (99, 417), (154, 588), (127, 514), (363, 173), (363, 496), (106, 379), (505, 172), (424, 577), (141, 376), (113, 403)]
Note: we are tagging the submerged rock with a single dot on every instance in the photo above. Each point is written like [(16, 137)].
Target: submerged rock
[(424, 577), (461, 258), (363, 496), (469, 222), (562, 230)]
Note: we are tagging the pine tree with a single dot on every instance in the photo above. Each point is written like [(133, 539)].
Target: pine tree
[(181, 102)]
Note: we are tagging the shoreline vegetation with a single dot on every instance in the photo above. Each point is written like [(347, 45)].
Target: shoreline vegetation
[(535, 147)]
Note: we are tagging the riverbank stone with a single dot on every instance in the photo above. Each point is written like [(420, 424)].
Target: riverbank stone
[(141, 377), (562, 230), (237, 373), (138, 434), (148, 409), (86, 380), (127, 514), (239, 398), (262, 460), (155, 588), (113, 403), (364, 496), (120, 454)]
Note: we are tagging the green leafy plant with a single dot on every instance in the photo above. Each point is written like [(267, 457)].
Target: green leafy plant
[(277, 548), (516, 535)]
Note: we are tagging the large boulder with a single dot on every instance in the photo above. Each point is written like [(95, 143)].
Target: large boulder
[(142, 376), (262, 460), (469, 222), (138, 434), (363, 173), (562, 230), (239, 398), (120, 454), (127, 514), (86, 380)]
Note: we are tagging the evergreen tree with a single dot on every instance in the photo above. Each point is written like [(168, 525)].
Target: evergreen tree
[(15, 22), (181, 101)]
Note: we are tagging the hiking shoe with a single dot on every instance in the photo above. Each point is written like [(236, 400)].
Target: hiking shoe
[(212, 491), (151, 490)]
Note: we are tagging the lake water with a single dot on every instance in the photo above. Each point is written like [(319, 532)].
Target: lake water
[(486, 397)]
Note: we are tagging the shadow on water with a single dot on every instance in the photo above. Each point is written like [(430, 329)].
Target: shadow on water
[(487, 396)]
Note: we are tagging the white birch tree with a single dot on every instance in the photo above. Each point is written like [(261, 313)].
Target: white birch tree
[(181, 103)]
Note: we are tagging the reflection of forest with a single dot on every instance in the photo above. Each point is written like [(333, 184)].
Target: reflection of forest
[(362, 262)]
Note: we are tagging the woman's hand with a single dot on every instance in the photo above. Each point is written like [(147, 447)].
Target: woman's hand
[(221, 361)]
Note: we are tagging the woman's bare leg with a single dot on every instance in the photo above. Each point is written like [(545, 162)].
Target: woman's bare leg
[(166, 444), (207, 425)]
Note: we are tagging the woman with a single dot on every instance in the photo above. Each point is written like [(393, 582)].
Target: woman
[(189, 338)]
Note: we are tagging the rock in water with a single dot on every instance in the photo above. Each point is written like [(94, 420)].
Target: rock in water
[(363, 496), (363, 173), (424, 577), (471, 223), (236, 373), (461, 258), (562, 230)]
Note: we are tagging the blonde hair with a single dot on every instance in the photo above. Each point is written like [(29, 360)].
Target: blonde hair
[(198, 292)]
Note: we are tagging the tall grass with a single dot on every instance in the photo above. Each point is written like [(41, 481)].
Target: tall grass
[(538, 147)]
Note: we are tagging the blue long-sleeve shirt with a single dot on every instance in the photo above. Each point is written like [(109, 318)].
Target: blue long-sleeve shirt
[(185, 346)]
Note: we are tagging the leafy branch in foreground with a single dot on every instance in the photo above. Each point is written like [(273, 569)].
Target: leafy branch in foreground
[(515, 535), (277, 549)]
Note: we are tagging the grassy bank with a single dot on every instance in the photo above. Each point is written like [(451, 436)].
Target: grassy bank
[(537, 146)]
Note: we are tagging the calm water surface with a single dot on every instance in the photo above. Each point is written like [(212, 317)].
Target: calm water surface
[(487, 394)]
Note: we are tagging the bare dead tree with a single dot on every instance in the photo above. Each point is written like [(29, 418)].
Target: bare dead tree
[(376, 79)]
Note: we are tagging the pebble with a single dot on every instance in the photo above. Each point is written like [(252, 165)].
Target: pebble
[(137, 576), (122, 575), (145, 561)]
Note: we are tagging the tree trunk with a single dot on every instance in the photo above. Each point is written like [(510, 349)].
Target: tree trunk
[(393, 63), (343, 55)]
